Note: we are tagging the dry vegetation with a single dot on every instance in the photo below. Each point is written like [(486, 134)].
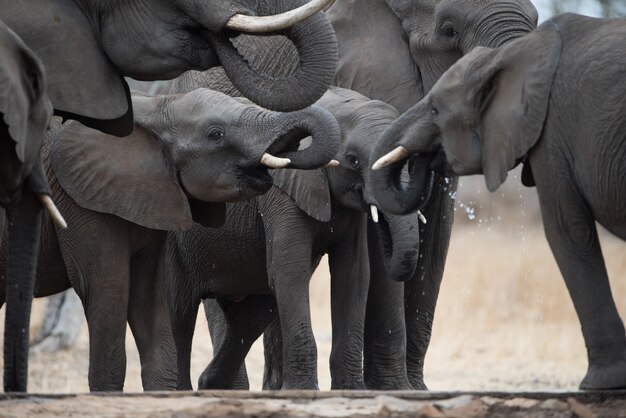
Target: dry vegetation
[(504, 319)]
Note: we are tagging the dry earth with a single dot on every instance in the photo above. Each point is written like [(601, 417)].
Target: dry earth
[(504, 321)]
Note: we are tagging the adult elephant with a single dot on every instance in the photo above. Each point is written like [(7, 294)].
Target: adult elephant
[(395, 51), (521, 102), (87, 46), (187, 155), (25, 112), (270, 247)]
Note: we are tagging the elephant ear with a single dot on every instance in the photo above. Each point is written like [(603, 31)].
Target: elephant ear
[(24, 106), (83, 84), (513, 91), (374, 55), (128, 177), (308, 189)]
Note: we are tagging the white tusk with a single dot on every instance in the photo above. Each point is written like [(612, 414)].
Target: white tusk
[(270, 161), (332, 163), (393, 156), (374, 211), (47, 203), (262, 24), (421, 217)]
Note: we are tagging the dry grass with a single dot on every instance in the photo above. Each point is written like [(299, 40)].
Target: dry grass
[(504, 320)]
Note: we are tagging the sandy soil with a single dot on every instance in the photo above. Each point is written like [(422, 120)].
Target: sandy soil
[(504, 320)]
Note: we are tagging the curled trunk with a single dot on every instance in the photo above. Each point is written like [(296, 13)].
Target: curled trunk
[(399, 240), (316, 44)]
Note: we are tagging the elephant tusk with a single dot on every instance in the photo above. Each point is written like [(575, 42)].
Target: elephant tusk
[(329, 5), (271, 161), (333, 163), (421, 217), (273, 23), (395, 155), (374, 212), (47, 203)]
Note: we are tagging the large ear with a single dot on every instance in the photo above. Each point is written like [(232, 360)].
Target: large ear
[(308, 189), (24, 106), (82, 83), (370, 37), (128, 177), (513, 92)]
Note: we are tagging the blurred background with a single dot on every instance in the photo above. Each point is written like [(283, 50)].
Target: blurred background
[(504, 320)]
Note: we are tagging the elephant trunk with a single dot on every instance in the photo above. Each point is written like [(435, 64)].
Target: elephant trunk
[(316, 45), (288, 130), (400, 245), (24, 231), (399, 187)]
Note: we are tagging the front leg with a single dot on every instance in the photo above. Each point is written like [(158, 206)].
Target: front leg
[(571, 232), (349, 269)]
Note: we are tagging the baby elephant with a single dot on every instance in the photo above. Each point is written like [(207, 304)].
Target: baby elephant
[(555, 100)]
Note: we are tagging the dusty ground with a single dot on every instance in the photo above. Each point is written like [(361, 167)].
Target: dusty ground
[(504, 321)]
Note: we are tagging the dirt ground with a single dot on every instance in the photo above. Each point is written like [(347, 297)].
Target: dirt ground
[(504, 321)]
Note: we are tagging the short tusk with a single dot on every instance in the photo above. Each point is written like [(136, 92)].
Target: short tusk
[(421, 217), (263, 24), (395, 155), (47, 203), (333, 163), (271, 161), (374, 212)]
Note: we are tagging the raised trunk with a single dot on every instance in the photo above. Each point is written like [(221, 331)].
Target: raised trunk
[(24, 231), (288, 129), (316, 44)]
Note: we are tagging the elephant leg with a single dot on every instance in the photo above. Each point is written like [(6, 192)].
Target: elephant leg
[(96, 252), (216, 320), (148, 318), (349, 269), (24, 235), (384, 356), (273, 351), (245, 322), (571, 232), (421, 291)]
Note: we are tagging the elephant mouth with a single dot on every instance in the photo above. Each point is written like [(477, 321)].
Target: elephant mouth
[(256, 178)]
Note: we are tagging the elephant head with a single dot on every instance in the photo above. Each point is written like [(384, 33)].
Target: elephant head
[(362, 121), (395, 50), (88, 45), (188, 154), (482, 116)]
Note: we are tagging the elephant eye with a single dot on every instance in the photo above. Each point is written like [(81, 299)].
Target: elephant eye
[(353, 160), (434, 111), (216, 133), (448, 31)]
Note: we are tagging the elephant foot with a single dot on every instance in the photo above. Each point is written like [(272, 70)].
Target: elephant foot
[(299, 386), (209, 380), (605, 377), (348, 384)]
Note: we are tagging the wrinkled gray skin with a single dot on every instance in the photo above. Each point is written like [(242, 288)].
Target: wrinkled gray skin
[(122, 195), (555, 96), (421, 38), (88, 45), (271, 245), (25, 112)]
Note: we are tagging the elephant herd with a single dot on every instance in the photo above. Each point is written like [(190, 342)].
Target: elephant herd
[(293, 130)]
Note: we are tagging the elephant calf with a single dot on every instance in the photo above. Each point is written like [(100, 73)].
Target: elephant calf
[(187, 155), (269, 248), (554, 100)]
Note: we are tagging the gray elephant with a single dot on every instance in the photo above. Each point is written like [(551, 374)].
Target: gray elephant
[(269, 248), (395, 51), (187, 154), (25, 112), (554, 100), (87, 46)]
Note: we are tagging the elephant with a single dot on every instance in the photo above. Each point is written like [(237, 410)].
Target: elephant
[(258, 266), (395, 51), (188, 154), (25, 112), (552, 100), (87, 47)]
